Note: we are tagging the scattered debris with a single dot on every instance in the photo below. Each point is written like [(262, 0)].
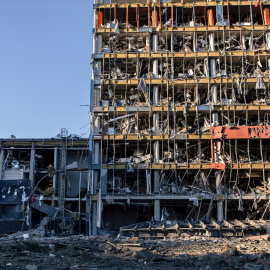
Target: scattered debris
[(105, 252)]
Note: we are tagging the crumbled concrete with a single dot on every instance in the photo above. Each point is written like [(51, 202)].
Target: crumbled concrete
[(104, 252)]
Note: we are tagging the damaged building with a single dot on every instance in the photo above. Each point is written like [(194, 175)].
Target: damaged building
[(179, 136), (44, 182), (180, 111)]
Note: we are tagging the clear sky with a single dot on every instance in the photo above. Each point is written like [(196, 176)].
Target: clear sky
[(45, 55)]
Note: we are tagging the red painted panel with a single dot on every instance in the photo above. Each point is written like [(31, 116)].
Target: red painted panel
[(218, 166), (240, 132)]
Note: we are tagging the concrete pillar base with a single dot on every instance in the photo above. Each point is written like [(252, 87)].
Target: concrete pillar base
[(94, 219), (157, 210)]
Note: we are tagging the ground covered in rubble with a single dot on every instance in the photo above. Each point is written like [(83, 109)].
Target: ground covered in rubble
[(105, 252)]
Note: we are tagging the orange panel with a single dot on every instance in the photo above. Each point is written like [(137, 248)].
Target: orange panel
[(127, 18), (257, 3), (218, 166), (115, 14), (155, 19), (266, 16), (210, 17), (99, 19), (137, 16)]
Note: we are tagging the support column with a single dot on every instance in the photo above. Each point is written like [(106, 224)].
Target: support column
[(218, 192), (97, 97), (97, 65), (55, 177), (157, 210), (156, 131), (98, 44), (32, 179), (211, 43), (214, 96), (32, 167), (195, 42), (172, 60), (1, 163), (244, 42), (95, 131), (267, 41), (94, 218), (96, 159), (172, 42)]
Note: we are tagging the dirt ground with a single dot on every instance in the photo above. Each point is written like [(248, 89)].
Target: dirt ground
[(104, 252)]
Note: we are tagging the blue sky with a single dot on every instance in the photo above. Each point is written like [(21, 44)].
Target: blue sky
[(45, 55)]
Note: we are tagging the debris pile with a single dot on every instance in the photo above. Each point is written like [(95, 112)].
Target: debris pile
[(105, 252)]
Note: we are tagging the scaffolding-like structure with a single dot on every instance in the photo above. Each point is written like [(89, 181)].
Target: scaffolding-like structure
[(180, 110)]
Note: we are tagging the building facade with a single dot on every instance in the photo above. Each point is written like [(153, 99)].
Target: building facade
[(180, 106)]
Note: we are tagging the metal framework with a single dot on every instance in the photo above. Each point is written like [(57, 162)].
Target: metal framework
[(180, 109)]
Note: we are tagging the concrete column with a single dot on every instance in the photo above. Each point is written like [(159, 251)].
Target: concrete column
[(2, 153), (155, 96), (32, 167), (211, 42), (94, 50), (98, 50), (214, 96), (32, 179), (155, 43), (56, 166), (172, 69), (218, 191), (156, 152), (172, 43), (94, 27), (157, 210), (244, 42), (95, 131), (250, 42), (97, 97), (88, 228), (94, 218), (96, 160), (156, 123), (156, 131), (138, 73), (155, 69), (213, 71), (267, 37), (194, 42), (99, 44), (214, 101)]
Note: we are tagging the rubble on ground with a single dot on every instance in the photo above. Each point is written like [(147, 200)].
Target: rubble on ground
[(106, 252)]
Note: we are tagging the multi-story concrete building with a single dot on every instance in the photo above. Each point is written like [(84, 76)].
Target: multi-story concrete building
[(180, 107)]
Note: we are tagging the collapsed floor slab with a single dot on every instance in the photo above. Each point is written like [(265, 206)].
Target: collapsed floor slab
[(212, 228)]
